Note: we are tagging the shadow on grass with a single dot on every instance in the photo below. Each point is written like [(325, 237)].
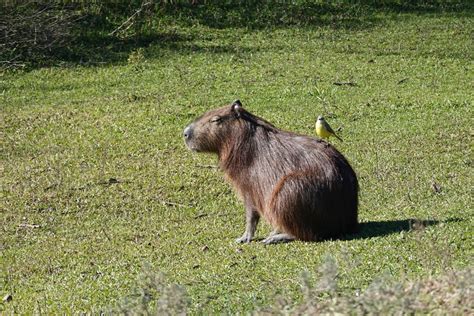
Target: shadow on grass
[(94, 49), (384, 228), (97, 47), (91, 43), (105, 50), (256, 14)]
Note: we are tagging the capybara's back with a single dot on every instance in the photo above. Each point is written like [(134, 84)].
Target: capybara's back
[(301, 185)]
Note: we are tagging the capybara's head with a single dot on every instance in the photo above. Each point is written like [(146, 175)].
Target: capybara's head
[(209, 132)]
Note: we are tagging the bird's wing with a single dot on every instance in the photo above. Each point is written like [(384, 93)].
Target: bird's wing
[(329, 129)]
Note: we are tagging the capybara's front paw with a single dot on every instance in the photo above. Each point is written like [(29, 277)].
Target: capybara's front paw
[(245, 239)]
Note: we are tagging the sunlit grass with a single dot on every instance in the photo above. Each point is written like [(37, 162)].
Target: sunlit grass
[(96, 182)]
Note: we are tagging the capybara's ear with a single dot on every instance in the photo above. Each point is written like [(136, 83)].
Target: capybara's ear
[(237, 107)]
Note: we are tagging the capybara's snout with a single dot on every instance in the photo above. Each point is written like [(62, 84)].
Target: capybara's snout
[(188, 132)]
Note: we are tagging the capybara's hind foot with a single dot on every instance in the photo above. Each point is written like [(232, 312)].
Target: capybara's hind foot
[(278, 238)]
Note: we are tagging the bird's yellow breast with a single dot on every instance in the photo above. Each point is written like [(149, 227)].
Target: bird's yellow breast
[(321, 131)]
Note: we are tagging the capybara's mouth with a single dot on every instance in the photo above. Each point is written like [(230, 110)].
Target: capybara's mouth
[(191, 147)]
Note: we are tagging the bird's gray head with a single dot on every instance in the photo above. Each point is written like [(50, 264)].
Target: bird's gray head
[(320, 118)]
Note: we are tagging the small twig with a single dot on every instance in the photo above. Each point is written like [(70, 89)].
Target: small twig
[(207, 166), (7, 64), (169, 203), (402, 81), (130, 19), (200, 215), (24, 225), (345, 83), (108, 182), (106, 236), (111, 181), (435, 187)]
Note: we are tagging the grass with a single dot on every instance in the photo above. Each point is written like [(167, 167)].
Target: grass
[(97, 183)]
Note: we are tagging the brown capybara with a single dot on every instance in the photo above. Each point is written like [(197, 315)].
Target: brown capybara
[(301, 185)]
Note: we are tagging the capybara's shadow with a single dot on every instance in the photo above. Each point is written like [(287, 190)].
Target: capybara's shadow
[(382, 228)]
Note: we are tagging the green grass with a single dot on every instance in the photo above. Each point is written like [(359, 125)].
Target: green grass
[(66, 131)]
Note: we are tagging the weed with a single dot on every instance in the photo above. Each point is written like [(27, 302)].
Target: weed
[(452, 293), (154, 297), (137, 60)]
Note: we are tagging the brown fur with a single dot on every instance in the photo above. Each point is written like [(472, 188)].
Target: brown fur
[(301, 185)]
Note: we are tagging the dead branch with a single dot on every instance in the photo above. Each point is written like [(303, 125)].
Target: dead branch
[(25, 225), (207, 166), (131, 20), (345, 83), (169, 203), (33, 31)]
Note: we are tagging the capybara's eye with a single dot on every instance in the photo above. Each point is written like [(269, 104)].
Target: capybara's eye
[(216, 119)]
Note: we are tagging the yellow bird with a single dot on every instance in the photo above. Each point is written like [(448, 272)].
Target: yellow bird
[(323, 129)]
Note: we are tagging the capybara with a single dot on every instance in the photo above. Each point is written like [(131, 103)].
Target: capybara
[(301, 185)]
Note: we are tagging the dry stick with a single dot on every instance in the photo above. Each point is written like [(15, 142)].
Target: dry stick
[(105, 234), (24, 225), (130, 18), (207, 166), (10, 63), (348, 83), (168, 203)]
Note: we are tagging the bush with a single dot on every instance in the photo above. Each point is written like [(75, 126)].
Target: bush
[(452, 293), (32, 32), (41, 33), (154, 297)]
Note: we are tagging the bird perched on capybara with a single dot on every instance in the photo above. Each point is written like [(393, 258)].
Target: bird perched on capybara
[(302, 186)]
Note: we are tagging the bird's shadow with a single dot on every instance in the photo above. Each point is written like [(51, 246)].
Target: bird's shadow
[(383, 228)]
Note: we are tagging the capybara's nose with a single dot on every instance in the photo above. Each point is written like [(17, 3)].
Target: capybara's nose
[(187, 133)]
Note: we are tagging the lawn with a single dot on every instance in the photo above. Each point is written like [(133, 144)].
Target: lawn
[(99, 190)]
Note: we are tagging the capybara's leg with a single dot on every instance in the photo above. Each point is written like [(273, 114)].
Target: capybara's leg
[(278, 238), (252, 218)]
